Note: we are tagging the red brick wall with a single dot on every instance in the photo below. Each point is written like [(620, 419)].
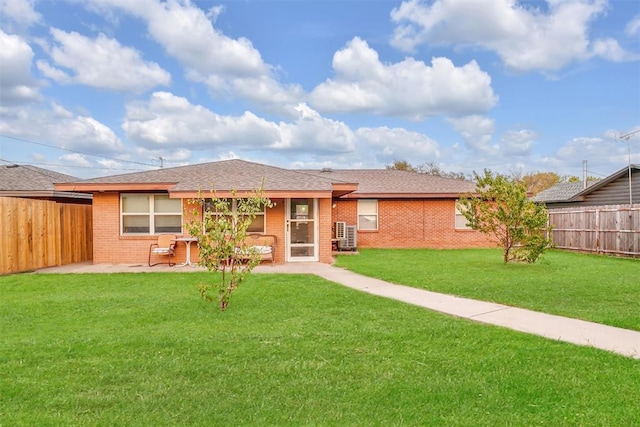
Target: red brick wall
[(275, 226), (401, 224), (325, 233), (412, 224), (112, 248)]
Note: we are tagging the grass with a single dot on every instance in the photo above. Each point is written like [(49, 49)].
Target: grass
[(590, 287), (143, 349)]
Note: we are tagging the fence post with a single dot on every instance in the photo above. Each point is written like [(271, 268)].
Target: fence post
[(597, 234)]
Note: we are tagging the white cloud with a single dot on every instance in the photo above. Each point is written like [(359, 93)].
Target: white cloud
[(633, 27), (518, 143), (605, 154), (101, 62), (409, 89), (59, 127), (525, 37), (397, 144), (611, 50), (578, 147), (270, 94), (17, 86), (19, 11), (171, 156), (186, 32), (312, 132), (171, 120), (477, 132), (75, 159), (168, 120), (225, 65)]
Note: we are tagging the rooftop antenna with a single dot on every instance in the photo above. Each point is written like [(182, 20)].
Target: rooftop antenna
[(11, 164), (626, 137)]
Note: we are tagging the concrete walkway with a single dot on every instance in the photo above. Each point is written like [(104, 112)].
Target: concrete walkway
[(617, 340)]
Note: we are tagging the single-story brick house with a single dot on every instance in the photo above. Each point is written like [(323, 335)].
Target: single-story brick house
[(389, 208)]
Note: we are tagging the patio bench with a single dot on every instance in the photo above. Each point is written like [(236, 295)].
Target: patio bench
[(262, 244)]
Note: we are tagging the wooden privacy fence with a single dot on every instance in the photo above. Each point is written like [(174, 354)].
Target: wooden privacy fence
[(600, 229), (40, 233)]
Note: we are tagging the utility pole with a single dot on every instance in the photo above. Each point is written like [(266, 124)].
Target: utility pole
[(626, 137)]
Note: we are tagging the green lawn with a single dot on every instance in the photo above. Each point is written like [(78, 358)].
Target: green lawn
[(596, 288), (143, 349)]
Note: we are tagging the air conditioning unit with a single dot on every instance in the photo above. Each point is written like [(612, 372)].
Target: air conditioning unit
[(340, 228), (349, 243)]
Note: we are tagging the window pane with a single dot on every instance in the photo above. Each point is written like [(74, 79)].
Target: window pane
[(163, 204), (302, 209), (305, 251), (168, 223), (135, 203), (367, 222), (302, 232), (257, 226), (135, 224), (367, 207), (209, 206), (242, 205), (461, 222)]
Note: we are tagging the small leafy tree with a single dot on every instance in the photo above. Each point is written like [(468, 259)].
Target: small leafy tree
[(427, 168), (221, 230), (503, 210)]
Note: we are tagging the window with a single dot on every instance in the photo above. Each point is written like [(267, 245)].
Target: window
[(150, 214), (258, 223), (367, 214), (461, 221)]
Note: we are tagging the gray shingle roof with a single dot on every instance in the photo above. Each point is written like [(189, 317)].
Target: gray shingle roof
[(242, 175), (30, 178), (560, 192), (223, 175), (391, 181)]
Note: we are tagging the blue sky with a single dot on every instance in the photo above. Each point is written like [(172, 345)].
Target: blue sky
[(99, 87)]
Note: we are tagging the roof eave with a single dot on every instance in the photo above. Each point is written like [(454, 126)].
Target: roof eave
[(341, 189), (604, 182), (45, 193), (404, 195), (271, 194), (122, 187)]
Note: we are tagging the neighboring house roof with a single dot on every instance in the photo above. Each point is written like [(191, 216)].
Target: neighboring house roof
[(397, 183), (613, 189), (560, 192), (34, 182), (624, 172), (222, 176)]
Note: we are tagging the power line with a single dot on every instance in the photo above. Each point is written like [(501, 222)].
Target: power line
[(74, 151), (12, 163)]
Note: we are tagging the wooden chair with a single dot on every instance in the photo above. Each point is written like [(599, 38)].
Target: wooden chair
[(166, 246)]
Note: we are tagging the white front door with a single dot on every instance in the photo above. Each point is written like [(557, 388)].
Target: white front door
[(301, 230)]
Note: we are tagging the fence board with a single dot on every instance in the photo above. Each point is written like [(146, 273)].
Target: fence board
[(612, 229), (40, 233)]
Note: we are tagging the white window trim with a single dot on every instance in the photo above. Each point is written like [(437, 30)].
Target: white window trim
[(458, 213), (151, 214), (369, 213), (262, 213)]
